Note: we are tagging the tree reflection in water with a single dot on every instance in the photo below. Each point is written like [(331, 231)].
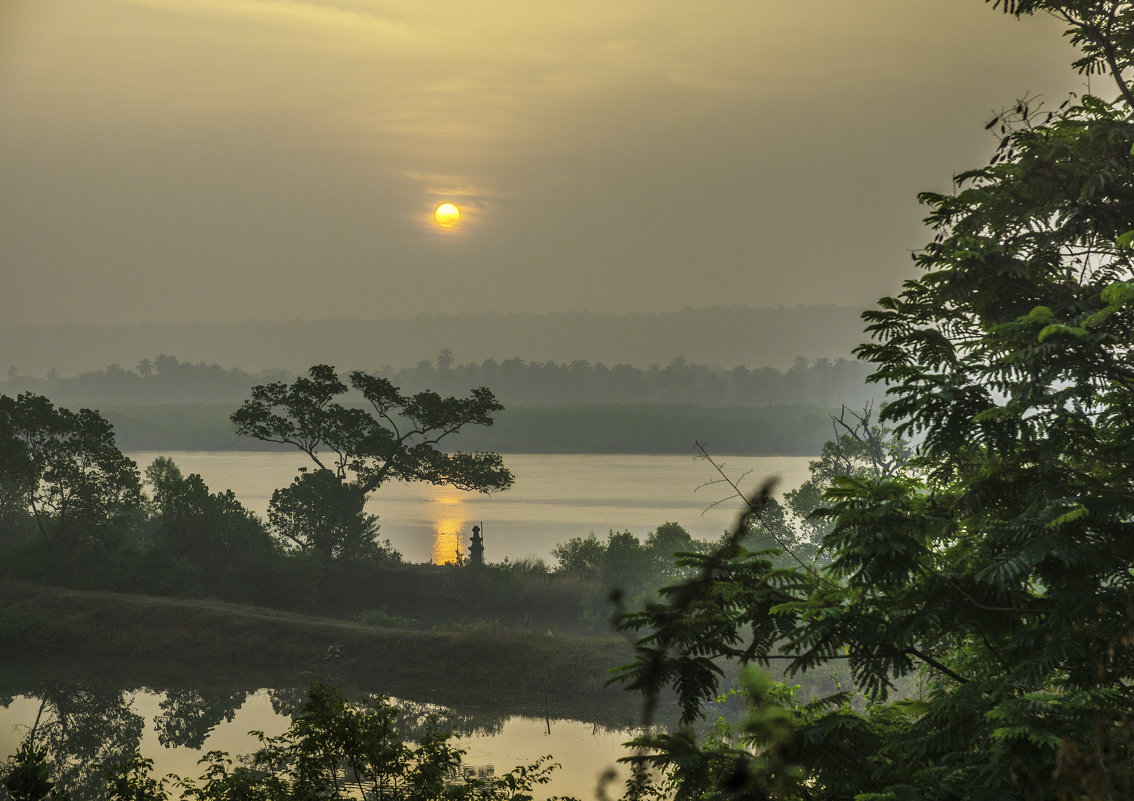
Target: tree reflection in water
[(87, 727), (188, 717), (84, 728)]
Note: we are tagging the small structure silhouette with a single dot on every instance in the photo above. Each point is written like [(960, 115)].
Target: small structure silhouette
[(476, 549)]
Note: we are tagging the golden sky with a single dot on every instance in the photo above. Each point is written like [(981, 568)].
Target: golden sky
[(216, 160)]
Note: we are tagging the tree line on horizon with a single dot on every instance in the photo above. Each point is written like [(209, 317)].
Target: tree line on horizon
[(516, 382), (752, 336)]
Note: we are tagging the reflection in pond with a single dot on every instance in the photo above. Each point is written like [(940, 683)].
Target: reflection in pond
[(189, 716), (86, 727), (83, 728)]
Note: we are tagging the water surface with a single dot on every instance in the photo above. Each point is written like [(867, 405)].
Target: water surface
[(91, 725), (555, 497)]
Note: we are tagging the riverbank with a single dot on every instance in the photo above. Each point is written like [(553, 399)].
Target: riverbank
[(144, 640)]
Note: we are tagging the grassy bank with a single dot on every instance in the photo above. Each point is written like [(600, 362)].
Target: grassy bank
[(141, 640)]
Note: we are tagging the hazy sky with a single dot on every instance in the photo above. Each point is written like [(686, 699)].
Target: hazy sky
[(221, 160)]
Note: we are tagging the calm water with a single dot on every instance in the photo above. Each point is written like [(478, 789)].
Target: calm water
[(583, 750), (555, 497)]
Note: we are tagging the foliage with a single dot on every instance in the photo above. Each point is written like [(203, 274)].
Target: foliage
[(399, 437), (860, 449), (210, 532), (623, 565), (323, 515), (796, 527), (26, 776), (187, 717), (75, 735), (18, 479), (131, 781), (66, 470), (761, 751), (665, 542), (998, 566)]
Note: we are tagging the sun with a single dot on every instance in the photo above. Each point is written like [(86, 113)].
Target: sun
[(447, 215)]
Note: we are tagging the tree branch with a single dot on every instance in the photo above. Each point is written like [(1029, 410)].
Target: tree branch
[(933, 663)]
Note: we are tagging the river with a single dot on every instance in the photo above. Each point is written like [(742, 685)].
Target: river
[(555, 497)]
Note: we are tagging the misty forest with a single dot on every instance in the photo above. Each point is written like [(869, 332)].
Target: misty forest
[(908, 574)]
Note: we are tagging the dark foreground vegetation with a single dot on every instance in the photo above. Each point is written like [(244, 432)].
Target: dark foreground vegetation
[(998, 563), (994, 565)]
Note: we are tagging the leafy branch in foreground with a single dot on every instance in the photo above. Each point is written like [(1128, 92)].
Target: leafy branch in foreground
[(998, 564)]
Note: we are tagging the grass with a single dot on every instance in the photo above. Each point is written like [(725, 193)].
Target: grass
[(146, 640)]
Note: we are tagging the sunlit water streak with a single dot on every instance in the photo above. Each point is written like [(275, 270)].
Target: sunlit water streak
[(555, 497)]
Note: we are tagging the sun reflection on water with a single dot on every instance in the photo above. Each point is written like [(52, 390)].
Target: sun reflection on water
[(448, 527), (448, 539)]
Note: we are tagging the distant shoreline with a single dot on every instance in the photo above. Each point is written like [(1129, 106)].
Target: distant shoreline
[(609, 429), (724, 335)]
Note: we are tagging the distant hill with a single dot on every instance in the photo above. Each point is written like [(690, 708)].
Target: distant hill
[(728, 336)]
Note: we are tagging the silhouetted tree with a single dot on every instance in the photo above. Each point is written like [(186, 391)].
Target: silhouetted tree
[(66, 468), (213, 533), (323, 515), (357, 449)]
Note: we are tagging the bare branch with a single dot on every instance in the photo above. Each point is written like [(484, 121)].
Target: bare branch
[(755, 506)]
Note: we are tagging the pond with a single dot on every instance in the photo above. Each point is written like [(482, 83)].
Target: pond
[(89, 724)]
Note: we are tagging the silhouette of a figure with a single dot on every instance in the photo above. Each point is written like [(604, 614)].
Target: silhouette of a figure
[(476, 549)]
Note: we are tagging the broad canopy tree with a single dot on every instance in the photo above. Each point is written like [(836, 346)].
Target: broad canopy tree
[(1000, 566), (356, 447)]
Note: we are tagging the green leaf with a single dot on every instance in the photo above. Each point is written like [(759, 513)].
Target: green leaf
[(995, 413), (1077, 513), (1118, 293), (1040, 314), (1060, 328), (1099, 317)]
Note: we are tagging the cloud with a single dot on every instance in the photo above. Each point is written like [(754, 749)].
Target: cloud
[(341, 22)]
